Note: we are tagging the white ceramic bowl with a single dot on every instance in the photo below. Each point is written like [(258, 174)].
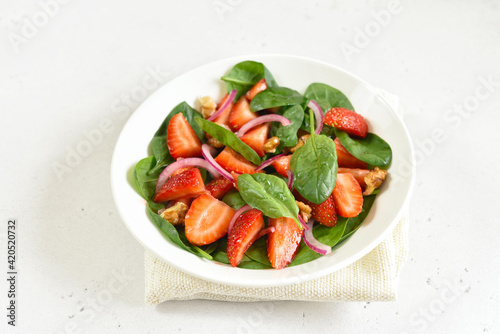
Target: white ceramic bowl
[(296, 73)]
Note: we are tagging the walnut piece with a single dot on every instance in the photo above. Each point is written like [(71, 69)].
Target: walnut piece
[(374, 179), (212, 141), (271, 144), (304, 210), (207, 106), (175, 214), (300, 143)]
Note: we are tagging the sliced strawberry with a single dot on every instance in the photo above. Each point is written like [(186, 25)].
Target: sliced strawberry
[(223, 119), (245, 231), (283, 243), (256, 138), (323, 213), (234, 162), (347, 120), (256, 89), (359, 174), (207, 220), (219, 187), (282, 165), (241, 114), (182, 141), (347, 196), (186, 184), (346, 159)]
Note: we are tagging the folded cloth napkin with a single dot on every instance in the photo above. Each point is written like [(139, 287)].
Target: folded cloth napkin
[(372, 278)]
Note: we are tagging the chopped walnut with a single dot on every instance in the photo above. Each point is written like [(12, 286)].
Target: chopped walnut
[(271, 144), (300, 143), (374, 179), (175, 214), (304, 210), (207, 106), (214, 142)]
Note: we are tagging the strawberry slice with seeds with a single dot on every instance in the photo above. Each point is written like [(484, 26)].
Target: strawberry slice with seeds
[(283, 243), (234, 162), (347, 196), (219, 187), (282, 165), (348, 121), (256, 89), (244, 232), (207, 220), (182, 141), (241, 114), (186, 184), (358, 173), (323, 213), (346, 159), (256, 138)]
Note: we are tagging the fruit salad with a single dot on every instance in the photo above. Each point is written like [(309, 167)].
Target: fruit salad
[(265, 178)]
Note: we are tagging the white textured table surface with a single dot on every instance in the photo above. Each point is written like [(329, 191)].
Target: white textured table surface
[(81, 270)]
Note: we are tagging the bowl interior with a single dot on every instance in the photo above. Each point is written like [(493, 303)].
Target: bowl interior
[(296, 73)]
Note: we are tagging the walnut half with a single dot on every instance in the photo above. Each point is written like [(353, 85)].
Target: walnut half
[(175, 214), (374, 180), (271, 144), (304, 210), (300, 143), (207, 106)]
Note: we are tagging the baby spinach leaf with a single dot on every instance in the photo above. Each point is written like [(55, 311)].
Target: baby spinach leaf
[(288, 134), (373, 150), (253, 265), (275, 97), (159, 141), (258, 252), (327, 235), (234, 199), (268, 194), (315, 168), (228, 138), (145, 181), (354, 223), (327, 97), (245, 75)]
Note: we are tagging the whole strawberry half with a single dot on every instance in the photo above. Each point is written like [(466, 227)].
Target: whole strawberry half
[(245, 231)]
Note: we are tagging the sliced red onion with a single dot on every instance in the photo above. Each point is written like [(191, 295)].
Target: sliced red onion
[(290, 179), (314, 244), (303, 223), (223, 107), (188, 162), (236, 215), (265, 231), (205, 151), (318, 114), (262, 119), (269, 161)]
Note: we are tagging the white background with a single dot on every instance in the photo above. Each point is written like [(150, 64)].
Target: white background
[(60, 81)]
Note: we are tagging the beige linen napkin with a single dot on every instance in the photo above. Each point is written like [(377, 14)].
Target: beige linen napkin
[(372, 278)]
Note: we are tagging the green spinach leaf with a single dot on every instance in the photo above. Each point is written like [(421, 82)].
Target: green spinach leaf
[(327, 97), (159, 141), (258, 251), (245, 75), (268, 194), (315, 168), (275, 97), (373, 150), (327, 235), (228, 138), (288, 134), (145, 181), (234, 199)]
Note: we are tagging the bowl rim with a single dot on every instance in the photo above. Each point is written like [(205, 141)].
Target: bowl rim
[(270, 282)]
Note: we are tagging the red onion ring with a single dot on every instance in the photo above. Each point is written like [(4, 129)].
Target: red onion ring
[(290, 179), (262, 119), (188, 162), (236, 215), (318, 114), (269, 161), (303, 223), (205, 151), (265, 231), (223, 107), (314, 244)]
